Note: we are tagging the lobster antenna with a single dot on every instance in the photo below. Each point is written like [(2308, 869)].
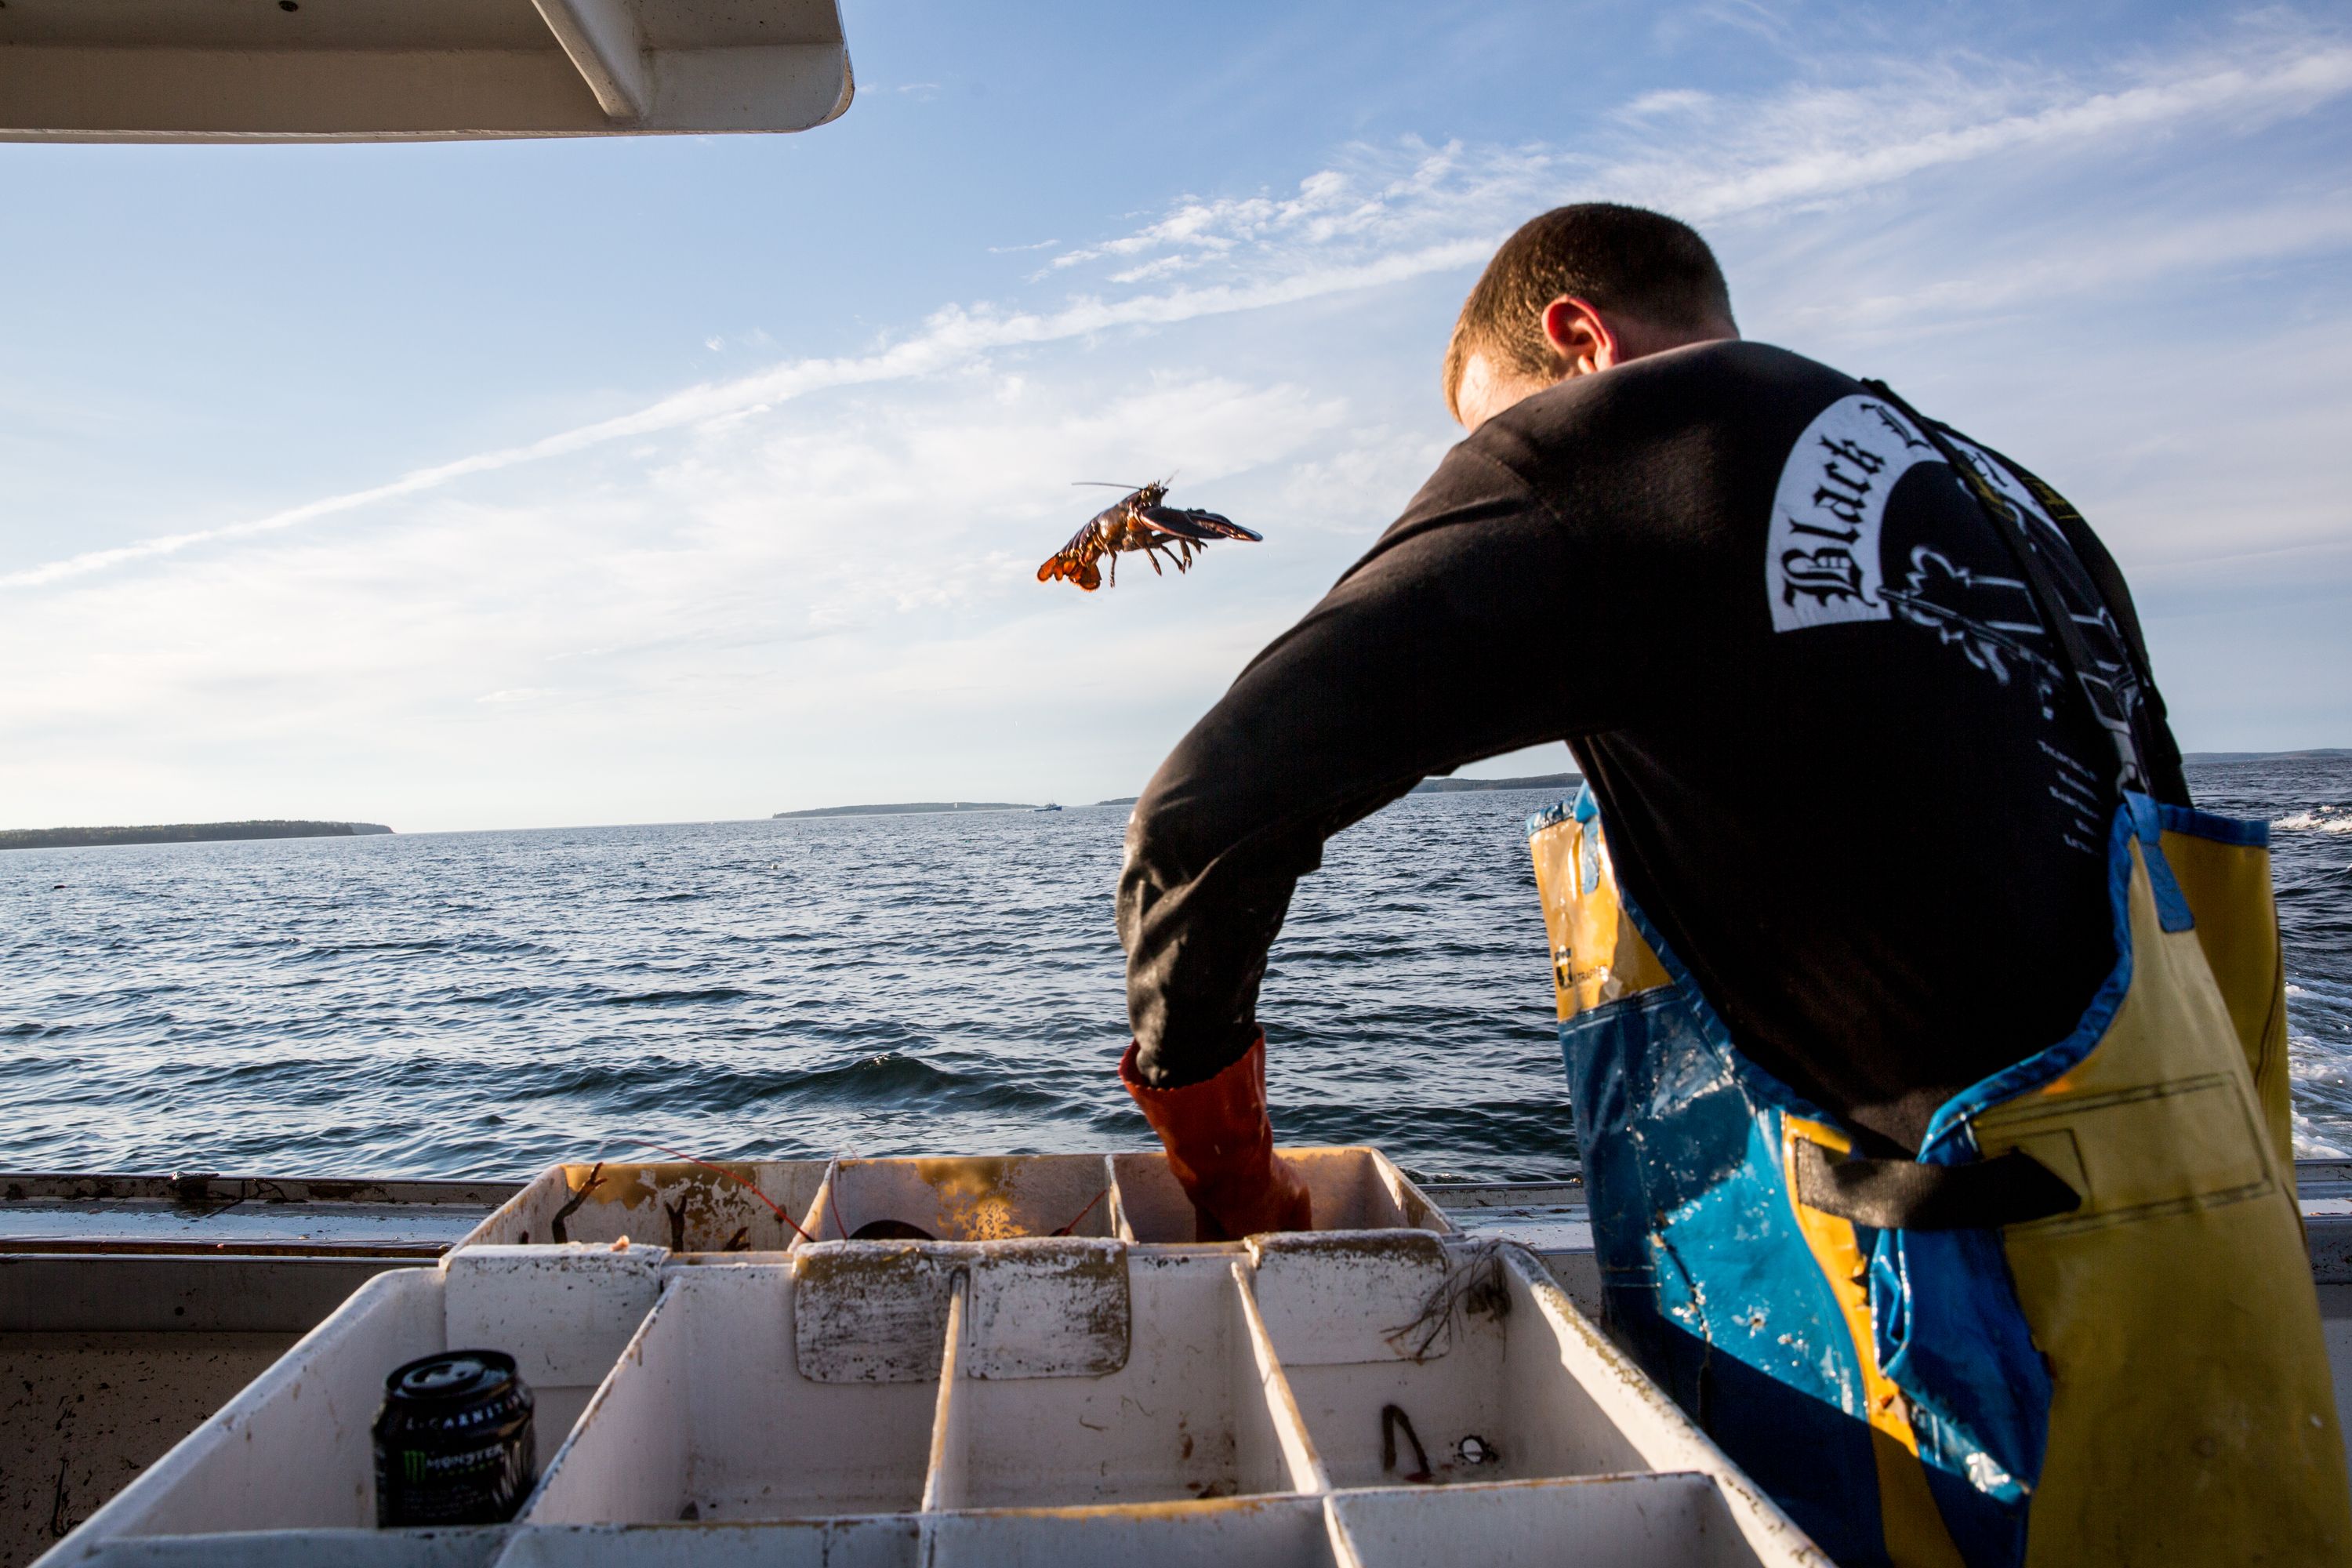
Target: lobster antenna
[(1107, 484)]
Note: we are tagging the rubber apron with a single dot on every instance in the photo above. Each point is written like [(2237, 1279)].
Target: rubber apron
[(2080, 1329)]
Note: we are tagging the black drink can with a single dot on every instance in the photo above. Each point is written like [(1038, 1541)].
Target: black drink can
[(454, 1442)]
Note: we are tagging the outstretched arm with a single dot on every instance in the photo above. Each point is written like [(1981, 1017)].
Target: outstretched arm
[(1451, 640)]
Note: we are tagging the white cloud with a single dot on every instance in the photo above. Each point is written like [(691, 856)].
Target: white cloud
[(1744, 157), (2104, 261), (1666, 100), (1164, 267), (1821, 144)]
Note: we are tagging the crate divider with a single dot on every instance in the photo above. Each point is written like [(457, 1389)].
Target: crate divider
[(946, 1481), (1292, 1438), (623, 1488)]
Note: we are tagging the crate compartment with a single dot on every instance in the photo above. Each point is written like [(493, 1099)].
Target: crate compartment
[(709, 1417), (885, 1543), (1161, 1392), (1351, 1189), (294, 1449), (1461, 1339), (1280, 1532), (985, 1199), (1670, 1520), (679, 1204)]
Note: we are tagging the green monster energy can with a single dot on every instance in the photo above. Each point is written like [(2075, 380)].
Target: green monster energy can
[(454, 1442)]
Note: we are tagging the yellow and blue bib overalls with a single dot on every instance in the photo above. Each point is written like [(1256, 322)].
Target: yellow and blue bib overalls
[(2081, 1328)]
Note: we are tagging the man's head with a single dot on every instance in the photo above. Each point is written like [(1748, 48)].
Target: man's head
[(1576, 291)]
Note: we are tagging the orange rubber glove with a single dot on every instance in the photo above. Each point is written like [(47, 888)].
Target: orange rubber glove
[(1221, 1149)]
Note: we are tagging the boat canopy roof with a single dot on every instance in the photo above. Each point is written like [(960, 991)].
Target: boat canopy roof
[(369, 70)]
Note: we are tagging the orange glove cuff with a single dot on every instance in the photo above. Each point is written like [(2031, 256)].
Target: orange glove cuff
[(1220, 1148)]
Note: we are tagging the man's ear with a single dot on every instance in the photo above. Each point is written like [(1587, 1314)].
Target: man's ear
[(1581, 336)]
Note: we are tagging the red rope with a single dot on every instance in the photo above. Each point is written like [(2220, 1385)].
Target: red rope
[(1084, 1211)]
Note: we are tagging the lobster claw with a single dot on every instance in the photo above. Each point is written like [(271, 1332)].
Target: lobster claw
[(1189, 523), (1071, 566)]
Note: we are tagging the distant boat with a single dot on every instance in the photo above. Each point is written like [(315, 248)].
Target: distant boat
[(1049, 805)]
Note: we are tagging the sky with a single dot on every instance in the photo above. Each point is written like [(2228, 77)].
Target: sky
[(668, 478)]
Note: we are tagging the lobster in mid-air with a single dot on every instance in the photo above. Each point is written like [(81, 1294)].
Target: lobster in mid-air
[(1139, 522)]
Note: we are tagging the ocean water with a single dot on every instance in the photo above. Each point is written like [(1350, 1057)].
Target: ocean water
[(483, 1003), (2308, 803)]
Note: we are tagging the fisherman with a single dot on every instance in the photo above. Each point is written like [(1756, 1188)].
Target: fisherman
[(1926, 1046)]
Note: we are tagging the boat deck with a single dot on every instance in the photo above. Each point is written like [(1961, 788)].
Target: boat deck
[(133, 1307)]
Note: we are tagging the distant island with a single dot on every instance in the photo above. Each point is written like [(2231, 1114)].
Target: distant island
[(2320, 755), (909, 808), (926, 807), (1540, 781), (177, 833)]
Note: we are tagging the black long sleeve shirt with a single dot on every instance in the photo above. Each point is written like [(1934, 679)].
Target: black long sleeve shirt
[(1839, 765)]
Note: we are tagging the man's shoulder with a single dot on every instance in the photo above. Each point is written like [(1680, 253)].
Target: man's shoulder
[(1733, 379), (1641, 442), (1710, 403)]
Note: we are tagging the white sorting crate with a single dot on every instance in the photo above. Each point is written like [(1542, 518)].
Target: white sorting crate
[(1039, 1398)]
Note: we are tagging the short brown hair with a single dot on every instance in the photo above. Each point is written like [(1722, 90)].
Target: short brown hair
[(1615, 257)]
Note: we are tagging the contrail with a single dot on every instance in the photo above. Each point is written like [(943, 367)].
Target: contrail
[(950, 336)]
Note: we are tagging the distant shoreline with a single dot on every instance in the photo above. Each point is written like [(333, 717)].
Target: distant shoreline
[(179, 833), (907, 808), (2315, 754), (1462, 786), (945, 807)]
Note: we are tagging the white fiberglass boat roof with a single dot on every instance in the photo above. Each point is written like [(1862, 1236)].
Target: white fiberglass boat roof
[(234, 70)]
